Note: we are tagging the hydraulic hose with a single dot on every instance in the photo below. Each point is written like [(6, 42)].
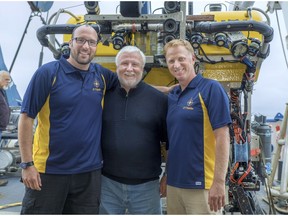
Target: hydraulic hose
[(232, 26), (63, 29)]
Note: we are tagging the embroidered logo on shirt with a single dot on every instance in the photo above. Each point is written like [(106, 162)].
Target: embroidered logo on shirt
[(189, 104), (96, 85), (198, 183)]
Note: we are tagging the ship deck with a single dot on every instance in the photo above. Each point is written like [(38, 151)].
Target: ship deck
[(11, 196)]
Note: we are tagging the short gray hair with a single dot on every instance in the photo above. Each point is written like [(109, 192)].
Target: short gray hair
[(130, 49), (3, 72)]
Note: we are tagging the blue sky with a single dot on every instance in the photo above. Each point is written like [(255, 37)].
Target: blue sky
[(270, 92)]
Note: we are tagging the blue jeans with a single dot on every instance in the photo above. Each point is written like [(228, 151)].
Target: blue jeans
[(118, 198)]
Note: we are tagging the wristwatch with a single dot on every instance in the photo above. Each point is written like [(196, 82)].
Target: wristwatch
[(25, 165)]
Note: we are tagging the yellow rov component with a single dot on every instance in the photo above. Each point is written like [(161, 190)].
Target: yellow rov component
[(101, 49), (223, 72), (157, 76), (232, 16), (229, 72)]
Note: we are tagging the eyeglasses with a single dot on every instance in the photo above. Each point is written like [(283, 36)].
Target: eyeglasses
[(82, 41)]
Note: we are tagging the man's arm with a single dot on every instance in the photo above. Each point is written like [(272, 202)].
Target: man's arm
[(165, 89), (30, 175), (216, 198)]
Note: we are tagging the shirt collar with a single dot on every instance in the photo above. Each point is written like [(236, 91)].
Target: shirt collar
[(68, 68), (132, 90), (195, 81), (193, 84)]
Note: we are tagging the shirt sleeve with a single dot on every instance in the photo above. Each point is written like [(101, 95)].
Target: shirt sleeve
[(218, 106), (38, 90), (111, 79)]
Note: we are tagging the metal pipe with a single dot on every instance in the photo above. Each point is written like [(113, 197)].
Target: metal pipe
[(278, 147), (182, 26), (21, 41), (137, 27), (53, 37), (190, 8), (263, 12), (276, 193), (64, 29)]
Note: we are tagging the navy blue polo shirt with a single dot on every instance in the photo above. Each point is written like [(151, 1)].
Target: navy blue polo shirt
[(192, 116), (69, 106)]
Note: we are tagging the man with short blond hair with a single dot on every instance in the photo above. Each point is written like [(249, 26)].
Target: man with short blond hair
[(198, 132)]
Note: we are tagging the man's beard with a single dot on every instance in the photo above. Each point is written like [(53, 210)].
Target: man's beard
[(129, 83), (76, 57), (6, 87)]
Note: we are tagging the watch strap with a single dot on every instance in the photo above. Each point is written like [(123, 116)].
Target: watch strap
[(31, 163), (28, 164)]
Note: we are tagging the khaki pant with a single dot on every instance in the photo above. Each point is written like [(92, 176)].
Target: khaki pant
[(188, 201)]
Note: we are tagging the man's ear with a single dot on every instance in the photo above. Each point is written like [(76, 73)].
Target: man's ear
[(193, 58), (70, 43)]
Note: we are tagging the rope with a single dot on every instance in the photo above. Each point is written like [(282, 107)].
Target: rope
[(10, 205)]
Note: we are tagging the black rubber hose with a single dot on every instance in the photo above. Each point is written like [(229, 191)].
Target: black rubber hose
[(232, 26)]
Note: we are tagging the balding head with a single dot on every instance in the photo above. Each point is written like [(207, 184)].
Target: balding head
[(81, 54), (84, 28)]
